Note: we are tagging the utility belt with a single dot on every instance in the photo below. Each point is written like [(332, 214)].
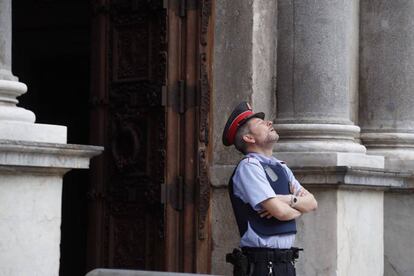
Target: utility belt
[(257, 255), (254, 255)]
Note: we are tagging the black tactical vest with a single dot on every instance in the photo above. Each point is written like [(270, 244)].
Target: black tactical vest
[(245, 213)]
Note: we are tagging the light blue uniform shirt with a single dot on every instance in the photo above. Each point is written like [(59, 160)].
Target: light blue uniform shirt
[(250, 184)]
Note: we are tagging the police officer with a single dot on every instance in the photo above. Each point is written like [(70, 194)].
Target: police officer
[(266, 198)]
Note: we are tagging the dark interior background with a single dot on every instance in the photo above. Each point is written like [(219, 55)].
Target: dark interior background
[(51, 54)]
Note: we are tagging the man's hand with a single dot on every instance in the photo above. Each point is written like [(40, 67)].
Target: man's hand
[(305, 200), (279, 209), (264, 213), (283, 198)]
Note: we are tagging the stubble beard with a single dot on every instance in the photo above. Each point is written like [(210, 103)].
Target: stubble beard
[(270, 140), (272, 137)]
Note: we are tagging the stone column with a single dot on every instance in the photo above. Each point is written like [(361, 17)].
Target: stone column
[(387, 81), (17, 123), (5, 41), (387, 115), (33, 160), (10, 88), (317, 94), (317, 74)]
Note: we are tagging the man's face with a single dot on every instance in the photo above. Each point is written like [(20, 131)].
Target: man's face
[(262, 131)]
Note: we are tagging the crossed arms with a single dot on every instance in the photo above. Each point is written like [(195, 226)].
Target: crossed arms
[(280, 206)]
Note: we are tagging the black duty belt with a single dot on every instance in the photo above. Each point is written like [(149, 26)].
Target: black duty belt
[(256, 254)]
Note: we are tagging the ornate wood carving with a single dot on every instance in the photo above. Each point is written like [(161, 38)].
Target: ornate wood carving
[(129, 41), (136, 134), (206, 6), (204, 181)]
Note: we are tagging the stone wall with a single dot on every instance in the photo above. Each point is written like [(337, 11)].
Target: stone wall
[(316, 68), (244, 70)]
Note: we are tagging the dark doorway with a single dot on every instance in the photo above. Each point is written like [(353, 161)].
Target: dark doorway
[(51, 54)]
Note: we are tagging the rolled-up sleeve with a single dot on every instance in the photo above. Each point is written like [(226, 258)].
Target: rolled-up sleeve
[(292, 178), (250, 183)]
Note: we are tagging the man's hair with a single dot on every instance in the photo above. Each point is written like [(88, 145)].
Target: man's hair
[(239, 142)]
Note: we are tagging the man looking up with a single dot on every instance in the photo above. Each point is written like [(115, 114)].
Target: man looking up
[(266, 198)]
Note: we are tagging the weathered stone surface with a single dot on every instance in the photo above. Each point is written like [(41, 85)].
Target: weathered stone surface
[(244, 70), (398, 233), (360, 240), (308, 138), (344, 236), (387, 81), (351, 177), (264, 47), (23, 131), (244, 64), (9, 90), (5, 38), (317, 84), (317, 61), (30, 203), (317, 234), (30, 216), (45, 155), (232, 67), (387, 66), (328, 159), (224, 230)]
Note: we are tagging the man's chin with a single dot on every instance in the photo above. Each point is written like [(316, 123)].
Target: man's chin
[(274, 138)]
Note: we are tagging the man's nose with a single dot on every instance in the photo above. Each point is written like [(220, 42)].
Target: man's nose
[(269, 123)]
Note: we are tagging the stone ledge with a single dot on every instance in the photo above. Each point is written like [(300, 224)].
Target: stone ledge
[(328, 159), (121, 272), (332, 176), (353, 177), (45, 155)]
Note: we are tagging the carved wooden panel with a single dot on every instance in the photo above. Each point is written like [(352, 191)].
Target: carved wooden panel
[(204, 180), (134, 213), (134, 226)]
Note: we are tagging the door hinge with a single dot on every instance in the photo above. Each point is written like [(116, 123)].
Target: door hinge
[(181, 96)]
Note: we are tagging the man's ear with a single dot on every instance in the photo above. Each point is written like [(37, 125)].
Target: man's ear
[(248, 138)]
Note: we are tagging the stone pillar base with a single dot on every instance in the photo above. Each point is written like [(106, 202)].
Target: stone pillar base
[(32, 132), (9, 91), (30, 203), (345, 235), (328, 159), (396, 147), (323, 145), (398, 232)]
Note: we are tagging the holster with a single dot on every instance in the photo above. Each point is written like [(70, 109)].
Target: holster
[(239, 262)]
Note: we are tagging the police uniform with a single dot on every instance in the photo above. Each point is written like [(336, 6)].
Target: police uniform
[(266, 243)]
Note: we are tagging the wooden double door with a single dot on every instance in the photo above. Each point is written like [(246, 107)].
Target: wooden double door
[(148, 201)]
